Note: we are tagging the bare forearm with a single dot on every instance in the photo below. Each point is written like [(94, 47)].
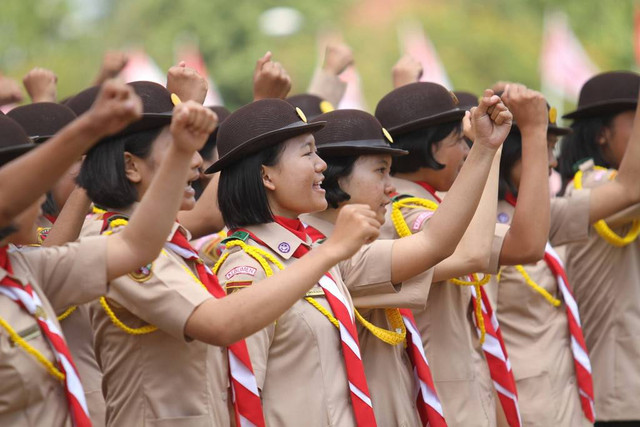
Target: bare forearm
[(69, 223), (227, 320), (529, 232), (21, 186)]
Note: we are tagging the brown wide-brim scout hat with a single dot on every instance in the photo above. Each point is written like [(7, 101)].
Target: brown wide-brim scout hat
[(607, 93), (353, 133), (312, 105), (417, 105), (13, 140), (157, 106), (42, 120), (256, 126), (466, 100)]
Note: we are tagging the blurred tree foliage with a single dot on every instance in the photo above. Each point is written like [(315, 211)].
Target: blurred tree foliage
[(479, 42)]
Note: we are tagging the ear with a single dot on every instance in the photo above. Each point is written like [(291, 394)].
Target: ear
[(132, 168), (603, 136), (266, 179)]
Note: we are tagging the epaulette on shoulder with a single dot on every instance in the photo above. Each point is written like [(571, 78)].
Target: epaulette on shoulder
[(238, 235)]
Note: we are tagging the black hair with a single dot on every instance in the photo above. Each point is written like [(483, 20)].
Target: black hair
[(337, 167), (511, 153), (582, 144), (103, 170), (242, 197), (49, 206), (419, 144)]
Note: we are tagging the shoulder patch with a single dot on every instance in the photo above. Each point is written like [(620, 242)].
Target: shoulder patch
[(43, 232), (142, 274), (236, 286), (241, 269), (417, 224)]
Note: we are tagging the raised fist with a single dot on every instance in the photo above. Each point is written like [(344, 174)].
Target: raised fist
[(41, 85), (337, 57), (115, 107), (407, 70), (187, 83), (529, 108), (191, 125), (9, 91), (113, 62), (490, 120), (270, 79), (356, 225)]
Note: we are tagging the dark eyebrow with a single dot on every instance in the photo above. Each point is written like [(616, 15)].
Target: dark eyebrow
[(384, 162)]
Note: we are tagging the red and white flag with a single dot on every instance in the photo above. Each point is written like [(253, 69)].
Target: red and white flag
[(191, 55), (141, 66), (564, 64), (415, 42)]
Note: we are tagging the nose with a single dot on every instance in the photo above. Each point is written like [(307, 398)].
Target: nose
[(320, 164), (196, 161)]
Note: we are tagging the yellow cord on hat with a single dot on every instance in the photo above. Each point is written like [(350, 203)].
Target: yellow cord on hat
[(601, 226), (16, 338), (263, 258), (403, 230)]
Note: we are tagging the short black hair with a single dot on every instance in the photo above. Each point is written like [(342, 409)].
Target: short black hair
[(242, 197), (419, 144), (49, 206), (511, 153), (582, 144), (103, 175), (337, 167)]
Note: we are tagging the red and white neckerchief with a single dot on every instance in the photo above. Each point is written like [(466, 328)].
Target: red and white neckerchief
[(246, 398), (427, 402), (25, 297), (495, 353), (344, 313), (578, 346)]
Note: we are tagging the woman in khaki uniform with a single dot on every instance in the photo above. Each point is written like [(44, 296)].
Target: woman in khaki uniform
[(534, 319), (301, 351), (423, 118), (604, 270), (167, 317), (358, 155), (35, 357)]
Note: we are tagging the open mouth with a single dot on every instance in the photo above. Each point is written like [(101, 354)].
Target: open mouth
[(318, 186)]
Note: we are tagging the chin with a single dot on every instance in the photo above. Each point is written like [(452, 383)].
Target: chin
[(188, 204)]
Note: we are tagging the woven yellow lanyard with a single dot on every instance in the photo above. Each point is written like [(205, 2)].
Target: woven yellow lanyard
[(533, 285), (403, 230), (601, 226), (394, 337)]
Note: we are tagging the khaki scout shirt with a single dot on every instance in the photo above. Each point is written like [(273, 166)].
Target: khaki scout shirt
[(456, 359), (388, 368), (73, 273), (606, 285), (298, 360), (535, 332), (159, 378)]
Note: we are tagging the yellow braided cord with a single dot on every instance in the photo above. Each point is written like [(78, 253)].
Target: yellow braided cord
[(146, 329), (601, 226), (15, 337), (474, 282), (324, 311), (412, 203), (97, 210), (264, 258), (67, 313), (529, 281), (392, 337)]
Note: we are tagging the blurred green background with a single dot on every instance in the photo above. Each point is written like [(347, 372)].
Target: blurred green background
[(479, 42)]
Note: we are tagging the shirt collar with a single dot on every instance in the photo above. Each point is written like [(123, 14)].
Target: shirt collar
[(278, 239)]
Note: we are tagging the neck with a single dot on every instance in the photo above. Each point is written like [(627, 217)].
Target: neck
[(329, 215), (430, 176)]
